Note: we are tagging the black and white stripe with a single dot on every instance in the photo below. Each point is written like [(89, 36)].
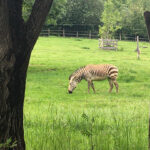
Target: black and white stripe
[(113, 72), (96, 72)]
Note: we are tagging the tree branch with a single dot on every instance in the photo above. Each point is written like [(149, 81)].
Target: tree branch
[(38, 15), (4, 29), (16, 22), (147, 21)]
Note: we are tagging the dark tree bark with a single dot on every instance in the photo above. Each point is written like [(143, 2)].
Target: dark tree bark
[(17, 40), (147, 21), (149, 132)]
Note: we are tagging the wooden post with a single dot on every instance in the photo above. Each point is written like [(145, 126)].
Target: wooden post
[(116, 45), (48, 32), (102, 43), (99, 42), (63, 33), (90, 35), (138, 50), (77, 34), (120, 37)]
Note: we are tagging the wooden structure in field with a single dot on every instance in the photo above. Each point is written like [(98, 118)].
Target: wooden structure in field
[(137, 49), (108, 44)]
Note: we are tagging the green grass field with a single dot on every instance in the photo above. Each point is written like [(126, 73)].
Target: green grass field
[(56, 120)]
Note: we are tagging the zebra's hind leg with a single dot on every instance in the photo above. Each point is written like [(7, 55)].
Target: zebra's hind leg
[(116, 85), (89, 84), (92, 85), (111, 85)]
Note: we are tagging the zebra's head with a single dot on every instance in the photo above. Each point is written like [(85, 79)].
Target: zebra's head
[(72, 84), (74, 79)]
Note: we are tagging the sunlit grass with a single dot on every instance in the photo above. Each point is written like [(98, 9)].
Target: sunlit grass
[(55, 120)]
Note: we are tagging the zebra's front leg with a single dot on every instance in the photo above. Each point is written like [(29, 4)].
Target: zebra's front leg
[(93, 87), (111, 85), (89, 84)]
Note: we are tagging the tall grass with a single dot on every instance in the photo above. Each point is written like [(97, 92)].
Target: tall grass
[(55, 120)]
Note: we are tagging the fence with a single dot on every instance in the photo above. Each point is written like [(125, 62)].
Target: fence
[(64, 33), (87, 34)]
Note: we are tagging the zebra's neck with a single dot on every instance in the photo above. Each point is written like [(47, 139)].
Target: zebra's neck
[(79, 74)]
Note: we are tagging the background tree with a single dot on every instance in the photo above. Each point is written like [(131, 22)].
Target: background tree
[(54, 16), (133, 21), (124, 16), (113, 16), (57, 12), (81, 12), (70, 12), (111, 19), (17, 39)]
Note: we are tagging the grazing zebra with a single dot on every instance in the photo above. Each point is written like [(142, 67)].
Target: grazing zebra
[(92, 73)]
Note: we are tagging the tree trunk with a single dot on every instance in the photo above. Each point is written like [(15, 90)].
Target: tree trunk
[(147, 21), (16, 42), (12, 89)]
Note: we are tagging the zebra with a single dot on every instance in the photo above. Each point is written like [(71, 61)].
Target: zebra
[(92, 73)]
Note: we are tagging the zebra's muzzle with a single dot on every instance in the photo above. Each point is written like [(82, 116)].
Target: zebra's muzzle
[(70, 92)]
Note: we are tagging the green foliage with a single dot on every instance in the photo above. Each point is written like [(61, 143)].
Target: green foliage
[(56, 120), (70, 11), (124, 16), (111, 19), (81, 12), (27, 7), (112, 16), (8, 144), (56, 13)]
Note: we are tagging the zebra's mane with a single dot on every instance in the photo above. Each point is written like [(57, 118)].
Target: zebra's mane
[(76, 71)]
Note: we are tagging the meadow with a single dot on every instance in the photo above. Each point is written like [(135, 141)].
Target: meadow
[(56, 120)]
